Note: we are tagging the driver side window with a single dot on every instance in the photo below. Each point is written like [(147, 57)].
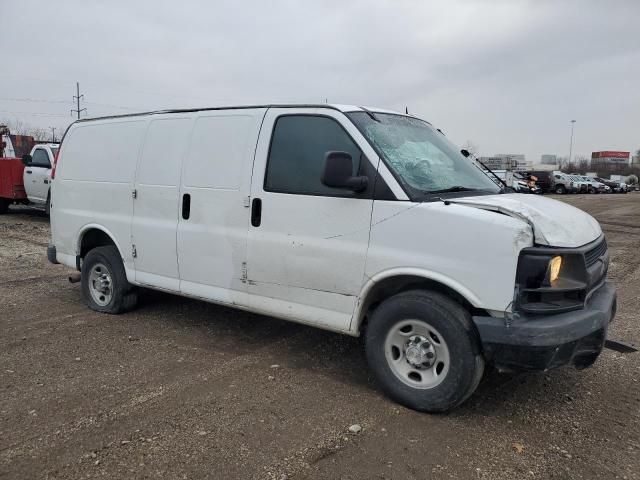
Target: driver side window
[(297, 154), (40, 159)]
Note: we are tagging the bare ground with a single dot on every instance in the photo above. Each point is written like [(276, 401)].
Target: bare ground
[(184, 389)]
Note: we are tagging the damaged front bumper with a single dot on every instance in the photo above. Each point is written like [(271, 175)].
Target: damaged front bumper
[(542, 342)]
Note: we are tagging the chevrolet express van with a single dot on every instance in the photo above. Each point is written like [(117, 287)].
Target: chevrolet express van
[(361, 221)]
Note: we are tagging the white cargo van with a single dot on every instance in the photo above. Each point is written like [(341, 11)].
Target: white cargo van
[(361, 221)]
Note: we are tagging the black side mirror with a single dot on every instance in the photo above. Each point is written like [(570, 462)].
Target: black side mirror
[(338, 173), (26, 159), (465, 152)]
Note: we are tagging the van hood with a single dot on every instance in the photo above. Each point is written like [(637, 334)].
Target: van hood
[(554, 223)]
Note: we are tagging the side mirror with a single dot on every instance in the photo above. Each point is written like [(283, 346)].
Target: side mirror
[(465, 152), (26, 159), (338, 173)]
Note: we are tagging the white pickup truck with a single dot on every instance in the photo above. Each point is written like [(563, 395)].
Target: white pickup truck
[(37, 174)]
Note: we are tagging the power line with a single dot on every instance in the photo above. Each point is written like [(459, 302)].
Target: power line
[(31, 100), (77, 98), (35, 114), (41, 100), (112, 106)]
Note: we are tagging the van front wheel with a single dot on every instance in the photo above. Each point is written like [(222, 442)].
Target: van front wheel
[(104, 283), (560, 190), (424, 350)]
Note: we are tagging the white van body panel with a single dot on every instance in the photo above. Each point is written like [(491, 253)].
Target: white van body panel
[(307, 258), (567, 227), (94, 184), (155, 211), (449, 244), (212, 242)]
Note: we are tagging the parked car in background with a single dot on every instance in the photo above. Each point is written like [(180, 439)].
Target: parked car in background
[(521, 183), (616, 187), (544, 179), (582, 185), (562, 183), (27, 181), (37, 174), (594, 186)]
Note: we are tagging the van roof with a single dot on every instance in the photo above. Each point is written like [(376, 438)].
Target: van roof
[(338, 107)]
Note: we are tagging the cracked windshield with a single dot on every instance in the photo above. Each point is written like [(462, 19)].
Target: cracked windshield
[(424, 160)]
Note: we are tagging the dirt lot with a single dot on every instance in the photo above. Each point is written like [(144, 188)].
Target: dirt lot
[(184, 389)]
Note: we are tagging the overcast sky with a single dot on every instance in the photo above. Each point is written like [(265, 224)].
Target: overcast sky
[(507, 75)]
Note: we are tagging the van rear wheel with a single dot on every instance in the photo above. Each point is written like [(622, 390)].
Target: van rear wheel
[(424, 350), (104, 283)]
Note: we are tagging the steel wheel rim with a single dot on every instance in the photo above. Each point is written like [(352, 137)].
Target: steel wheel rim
[(408, 349), (100, 284)]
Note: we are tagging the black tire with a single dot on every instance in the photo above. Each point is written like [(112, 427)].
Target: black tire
[(4, 206), (560, 190), (453, 322), (123, 295), (47, 208)]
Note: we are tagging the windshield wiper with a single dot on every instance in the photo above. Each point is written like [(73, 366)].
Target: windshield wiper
[(457, 188)]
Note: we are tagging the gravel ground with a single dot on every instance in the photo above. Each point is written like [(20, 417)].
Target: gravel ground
[(183, 389)]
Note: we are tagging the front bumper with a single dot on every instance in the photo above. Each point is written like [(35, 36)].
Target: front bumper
[(542, 342)]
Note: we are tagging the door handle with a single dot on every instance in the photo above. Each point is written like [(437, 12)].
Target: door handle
[(28, 171), (256, 212), (186, 206)]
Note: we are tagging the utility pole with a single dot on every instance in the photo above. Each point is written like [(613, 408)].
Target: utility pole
[(77, 98), (53, 134), (571, 140)]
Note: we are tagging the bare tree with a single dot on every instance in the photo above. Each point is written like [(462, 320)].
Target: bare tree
[(19, 127), (582, 163), (40, 134)]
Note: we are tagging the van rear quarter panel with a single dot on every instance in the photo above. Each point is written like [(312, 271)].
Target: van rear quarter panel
[(94, 183)]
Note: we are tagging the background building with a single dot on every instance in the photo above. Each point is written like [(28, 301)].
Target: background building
[(609, 159), (549, 159), (505, 161)]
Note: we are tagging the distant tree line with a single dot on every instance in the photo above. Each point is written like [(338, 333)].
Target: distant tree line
[(582, 165), (39, 134)]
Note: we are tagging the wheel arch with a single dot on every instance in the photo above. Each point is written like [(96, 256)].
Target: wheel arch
[(92, 236), (386, 284)]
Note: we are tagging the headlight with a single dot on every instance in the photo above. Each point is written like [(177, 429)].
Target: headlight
[(550, 283), (554, 268)]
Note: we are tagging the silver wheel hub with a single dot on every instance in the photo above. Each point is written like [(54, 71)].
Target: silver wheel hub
[(417, 354), (100, 284)]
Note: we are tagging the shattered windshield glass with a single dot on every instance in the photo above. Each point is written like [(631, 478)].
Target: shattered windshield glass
[(420, 156)]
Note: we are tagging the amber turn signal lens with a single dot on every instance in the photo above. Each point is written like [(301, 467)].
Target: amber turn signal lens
[(554, 268)]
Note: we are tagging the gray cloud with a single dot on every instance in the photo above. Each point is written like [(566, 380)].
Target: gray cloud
[(508, 75)]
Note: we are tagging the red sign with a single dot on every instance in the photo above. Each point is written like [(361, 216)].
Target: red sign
[(610, 154)]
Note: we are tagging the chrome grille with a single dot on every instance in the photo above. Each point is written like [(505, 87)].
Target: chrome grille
[(595, 253)]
